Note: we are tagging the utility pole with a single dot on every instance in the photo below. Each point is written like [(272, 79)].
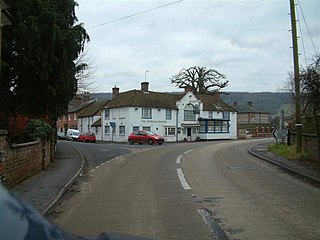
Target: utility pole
[(296, 76)]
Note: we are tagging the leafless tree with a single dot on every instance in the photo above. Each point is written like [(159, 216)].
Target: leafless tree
[(85, 71), (200, 79)]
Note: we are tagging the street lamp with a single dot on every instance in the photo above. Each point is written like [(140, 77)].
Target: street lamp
[(145, 74)]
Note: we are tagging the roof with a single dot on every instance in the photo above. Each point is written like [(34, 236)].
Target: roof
[(210, 103), (138, 98), (93, 108), (248, 109), (76, 106), (97, 123)]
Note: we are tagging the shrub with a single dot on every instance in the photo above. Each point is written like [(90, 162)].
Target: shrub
[(39, 129)]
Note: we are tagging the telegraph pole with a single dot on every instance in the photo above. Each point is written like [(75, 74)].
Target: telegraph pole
[(296, 76)]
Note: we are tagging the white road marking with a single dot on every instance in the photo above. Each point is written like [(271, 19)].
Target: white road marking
[(183, 180), (178, 161), (188, 151)]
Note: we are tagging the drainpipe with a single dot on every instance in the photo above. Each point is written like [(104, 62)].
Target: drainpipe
[(177, 136)]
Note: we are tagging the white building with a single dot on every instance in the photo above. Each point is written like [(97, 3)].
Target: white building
[(178, 117), (89, 119)]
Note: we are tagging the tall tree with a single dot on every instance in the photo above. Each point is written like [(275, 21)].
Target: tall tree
[(39, 53), (310, 80), (200, 79)]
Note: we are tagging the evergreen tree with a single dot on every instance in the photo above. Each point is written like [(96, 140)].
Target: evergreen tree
[(39, 53)]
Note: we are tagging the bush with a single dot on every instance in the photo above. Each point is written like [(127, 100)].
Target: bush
[(39, 129)]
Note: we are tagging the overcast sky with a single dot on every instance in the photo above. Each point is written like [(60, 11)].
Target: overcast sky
[(248, 41)]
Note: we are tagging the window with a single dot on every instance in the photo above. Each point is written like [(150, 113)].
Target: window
[(146, 128), (75, 116), (106, 113), (214, 126), (202, 126), (69, 117), (170, 131), (217, 126), (122, 130), (189, 115), (97, 129), (226, 115), (225, 126), (107, 130), (168, 113), (210, 126), (210, 115), (146, 113), (135, 128)]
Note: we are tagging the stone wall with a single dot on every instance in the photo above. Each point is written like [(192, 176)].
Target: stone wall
[(20, 161)]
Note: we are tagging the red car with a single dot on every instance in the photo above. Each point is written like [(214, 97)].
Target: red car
[(87, 137), (141, 136)]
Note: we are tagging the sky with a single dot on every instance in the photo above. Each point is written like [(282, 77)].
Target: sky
[(248, 41)]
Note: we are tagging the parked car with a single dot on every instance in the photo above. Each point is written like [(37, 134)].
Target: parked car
[(87, 137), (61, 136), (73, 134), (141, 136), (20, 221)]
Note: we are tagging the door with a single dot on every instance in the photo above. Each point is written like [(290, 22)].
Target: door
[(189, 132)]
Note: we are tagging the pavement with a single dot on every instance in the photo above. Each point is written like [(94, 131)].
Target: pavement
[(43, 190)]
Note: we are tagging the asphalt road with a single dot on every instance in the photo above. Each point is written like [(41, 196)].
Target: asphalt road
[(206, 190)]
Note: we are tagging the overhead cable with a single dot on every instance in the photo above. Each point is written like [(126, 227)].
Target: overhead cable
[(236, 37), (135, 14), (307, 27)]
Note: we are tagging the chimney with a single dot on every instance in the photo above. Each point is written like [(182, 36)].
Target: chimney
[(86, 97), (250, 104), (115, 91), (216, 96), (235, 105), (187, 89), (145, 86)]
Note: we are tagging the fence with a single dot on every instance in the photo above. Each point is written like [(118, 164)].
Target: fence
[(309, 144), (20, 161)]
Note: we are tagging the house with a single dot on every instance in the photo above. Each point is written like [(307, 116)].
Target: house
[(76, 105), (89, 119), (176, 116), (252, 120)]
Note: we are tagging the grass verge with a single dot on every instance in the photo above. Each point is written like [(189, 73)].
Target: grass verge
[(288, 152)]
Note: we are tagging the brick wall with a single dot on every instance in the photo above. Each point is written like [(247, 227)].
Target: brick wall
[(20, 161)]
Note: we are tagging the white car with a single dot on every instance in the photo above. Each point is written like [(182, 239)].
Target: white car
[(73, 134)]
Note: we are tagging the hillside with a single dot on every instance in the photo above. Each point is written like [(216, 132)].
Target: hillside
[(263, 101)]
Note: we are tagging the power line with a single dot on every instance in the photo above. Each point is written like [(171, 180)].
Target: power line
[(305, 22), (301, 34), (135, 14), (236, 37)]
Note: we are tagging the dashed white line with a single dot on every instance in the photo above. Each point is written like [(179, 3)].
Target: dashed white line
[(183, 180), (188, 151), (178, 161)]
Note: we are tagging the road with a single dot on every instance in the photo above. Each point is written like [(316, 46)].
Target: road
[(205, 190)]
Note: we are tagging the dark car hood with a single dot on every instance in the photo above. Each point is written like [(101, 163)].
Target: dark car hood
[(19, 221)]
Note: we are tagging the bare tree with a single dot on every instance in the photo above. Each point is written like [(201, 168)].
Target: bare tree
[(85, 70), (310, 78), (200, 79)]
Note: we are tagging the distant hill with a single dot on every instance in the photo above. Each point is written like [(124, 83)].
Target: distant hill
[(270, 102), (263, 101)]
